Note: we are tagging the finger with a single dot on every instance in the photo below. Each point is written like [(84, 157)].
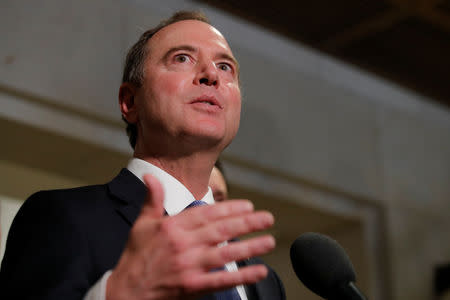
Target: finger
[(203, 215), (221, 280), (217, 257), (154, 202), (231, 227), (238, 250)]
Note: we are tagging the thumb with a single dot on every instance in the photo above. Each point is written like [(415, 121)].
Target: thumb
[(154, 202)]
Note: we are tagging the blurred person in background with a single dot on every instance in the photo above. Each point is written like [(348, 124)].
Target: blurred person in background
[(218, 182)]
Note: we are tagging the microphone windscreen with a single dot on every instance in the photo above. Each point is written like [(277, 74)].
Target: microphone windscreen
[(321, 264)]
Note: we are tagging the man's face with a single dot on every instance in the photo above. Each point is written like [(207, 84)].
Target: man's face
[(191, 88)]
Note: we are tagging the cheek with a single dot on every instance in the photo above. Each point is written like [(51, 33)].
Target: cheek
[(172, 84), (234, 113), (235, 100), (237, 119)]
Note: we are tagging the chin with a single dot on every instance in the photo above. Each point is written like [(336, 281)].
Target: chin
[(208, 132), (208, 128), (206, 138), (211, 137)]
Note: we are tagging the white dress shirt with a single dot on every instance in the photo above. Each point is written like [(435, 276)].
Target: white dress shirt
[(176, 198)]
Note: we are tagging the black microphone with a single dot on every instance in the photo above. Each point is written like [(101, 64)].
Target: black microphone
[(324, 267)]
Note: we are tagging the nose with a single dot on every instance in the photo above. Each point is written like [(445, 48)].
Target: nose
[(207, 74)]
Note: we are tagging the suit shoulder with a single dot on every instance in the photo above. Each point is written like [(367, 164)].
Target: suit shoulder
[(69, 191), (48, 242), (69, 194), (59, 202)]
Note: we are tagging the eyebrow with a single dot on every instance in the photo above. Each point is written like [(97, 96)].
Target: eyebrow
[(190, 48)]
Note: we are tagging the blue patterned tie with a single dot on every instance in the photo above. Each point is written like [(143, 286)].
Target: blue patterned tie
[(231, 294)]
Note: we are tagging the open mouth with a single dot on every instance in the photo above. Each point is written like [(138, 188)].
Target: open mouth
[(206, 102), (211, 101)]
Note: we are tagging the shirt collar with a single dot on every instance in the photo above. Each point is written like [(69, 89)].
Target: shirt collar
[(176, 195)]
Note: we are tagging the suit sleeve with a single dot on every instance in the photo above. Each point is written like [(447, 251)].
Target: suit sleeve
[(46, 253)]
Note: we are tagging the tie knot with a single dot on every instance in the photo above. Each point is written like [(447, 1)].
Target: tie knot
[(196, 203)]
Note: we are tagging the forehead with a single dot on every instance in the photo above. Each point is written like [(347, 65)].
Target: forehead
[(188, 32)]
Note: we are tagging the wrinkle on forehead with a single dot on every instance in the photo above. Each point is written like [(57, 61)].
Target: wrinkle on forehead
[(178, 31)]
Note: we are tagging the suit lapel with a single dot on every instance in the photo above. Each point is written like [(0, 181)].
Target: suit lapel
[(131, 192)]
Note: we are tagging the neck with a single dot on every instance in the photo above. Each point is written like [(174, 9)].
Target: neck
[(193, 171)]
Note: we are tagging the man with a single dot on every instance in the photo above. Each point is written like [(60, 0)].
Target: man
[(181, 100)]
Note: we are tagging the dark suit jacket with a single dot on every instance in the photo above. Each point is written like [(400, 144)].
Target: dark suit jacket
[(62, 241)]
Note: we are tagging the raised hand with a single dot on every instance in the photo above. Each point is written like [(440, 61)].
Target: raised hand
[(170, 257)]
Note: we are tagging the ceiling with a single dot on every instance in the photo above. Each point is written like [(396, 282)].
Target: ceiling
[(406, 41)]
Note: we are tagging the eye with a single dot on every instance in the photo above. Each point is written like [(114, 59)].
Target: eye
[(182, 58), (225, 67)]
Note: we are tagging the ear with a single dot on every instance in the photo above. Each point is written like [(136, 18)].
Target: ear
[(127, 92)]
